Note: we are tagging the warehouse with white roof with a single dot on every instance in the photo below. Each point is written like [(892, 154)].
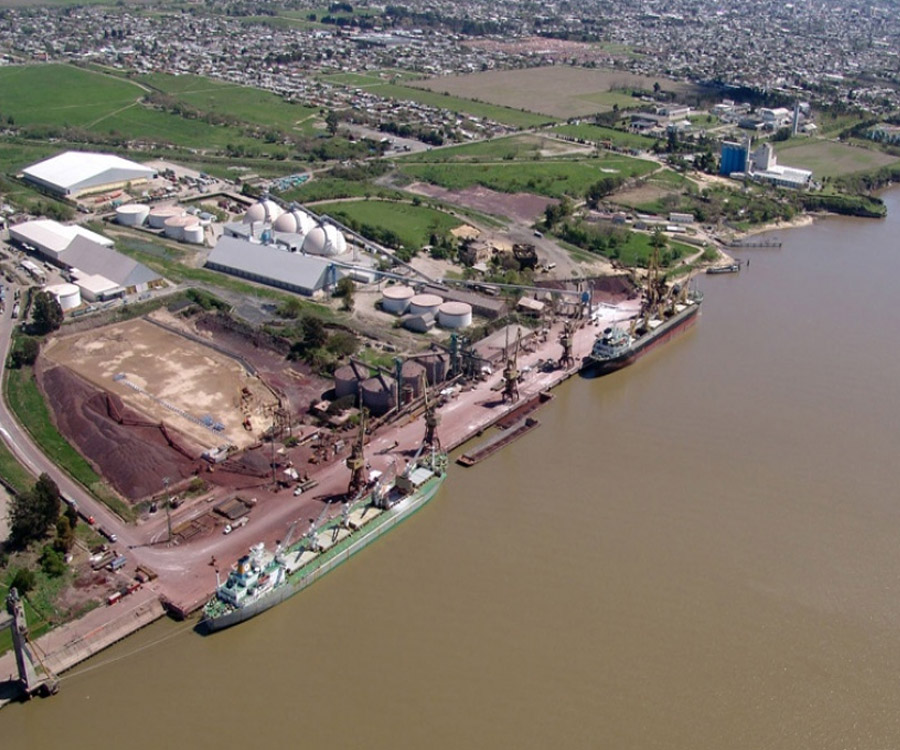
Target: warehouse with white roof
[(50, 238), (75, 173)]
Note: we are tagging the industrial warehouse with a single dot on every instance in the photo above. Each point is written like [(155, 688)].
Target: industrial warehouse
[(76, 173)]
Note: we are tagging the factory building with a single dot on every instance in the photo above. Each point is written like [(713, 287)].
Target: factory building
[(49, 238), (268, 264), (75, 173)]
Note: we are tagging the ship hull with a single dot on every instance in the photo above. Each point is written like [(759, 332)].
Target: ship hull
[(328, 560), (593, 367)]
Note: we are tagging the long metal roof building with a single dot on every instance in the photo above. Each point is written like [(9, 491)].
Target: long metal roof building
[(74, 172)]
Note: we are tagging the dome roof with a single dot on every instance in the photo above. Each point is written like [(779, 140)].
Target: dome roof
[(336, 244), (295, 221), (265, 210), (315, 241)]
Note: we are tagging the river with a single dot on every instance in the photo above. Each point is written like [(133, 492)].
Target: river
[(700, 551)]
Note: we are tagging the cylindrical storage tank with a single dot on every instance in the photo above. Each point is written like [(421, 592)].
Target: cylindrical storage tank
[(346, 382), (68, 295), (158, 216), (378, 395), (194, 234), (395, 299), (436, 367), (424, 303), (412, 376), (455, 315), (132, 214), (175, 226)]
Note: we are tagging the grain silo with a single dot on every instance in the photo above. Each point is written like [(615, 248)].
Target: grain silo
[(437, 366), (132, 214), (346, 381), (395, 299), (423, 304), (378, 394), (194, 234), (412, 376), (68, 295), (158, 216), (455, 315), (175, 226)]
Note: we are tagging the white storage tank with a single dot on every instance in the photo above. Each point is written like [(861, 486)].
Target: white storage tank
[(68, 295), (159, 216), (424, 303), (194, 234), (455, 315), (175, 226), (395, 299), (132, 214)]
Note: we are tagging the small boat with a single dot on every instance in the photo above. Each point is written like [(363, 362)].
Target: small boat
[(732, 268)]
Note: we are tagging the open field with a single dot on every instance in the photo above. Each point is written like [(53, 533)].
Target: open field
[(65, 96), (657, 194), (242, 102), (557, 91), (515, 117), (194, 380), (830, 159), (597, 133), (552, 179), (412, 224), (513, 147), (525, 207)]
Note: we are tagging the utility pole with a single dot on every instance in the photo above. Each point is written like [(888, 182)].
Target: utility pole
[(168, 504)]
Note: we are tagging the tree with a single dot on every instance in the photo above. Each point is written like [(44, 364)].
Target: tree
[(47, 313), (32, 513), (23, 581), (314, 333), (331, 122), (25, 351), (344, 289), (65, 534)]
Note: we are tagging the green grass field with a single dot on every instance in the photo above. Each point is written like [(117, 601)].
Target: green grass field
[(830, 159), (242, 102), (330, 188), (506, 115), (412, 224), (549, 178), (596, 133), (13, 473), (512, 147)]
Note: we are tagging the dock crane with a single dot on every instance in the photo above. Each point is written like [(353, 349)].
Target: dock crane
[(566, 360), (511, 375), (356, 461), (432, 420), (33, 678)]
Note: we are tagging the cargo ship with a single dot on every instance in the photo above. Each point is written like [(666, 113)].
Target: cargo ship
[(262, 578), (664, 313)]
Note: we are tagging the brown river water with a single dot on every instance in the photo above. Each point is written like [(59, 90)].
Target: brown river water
[(700, 551)]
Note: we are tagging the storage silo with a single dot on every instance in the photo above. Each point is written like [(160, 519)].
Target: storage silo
[(395, 299), (68, 295), (423, 304), (437, 366), (412, 375), (194, 234), (175, 226), (158, 216), (455, 315), (346, 381), (132, 214), (378, 394)]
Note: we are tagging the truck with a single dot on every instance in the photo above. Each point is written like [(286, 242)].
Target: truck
[(104, 532)]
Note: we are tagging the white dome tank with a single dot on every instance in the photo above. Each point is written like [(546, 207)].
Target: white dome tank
[(455, 315), (294, 221), (335, 244), (395, 299), (265, 210), (68, 295), (315, 242), (194, 234), (425, 303), (132, 214), (158, 216)]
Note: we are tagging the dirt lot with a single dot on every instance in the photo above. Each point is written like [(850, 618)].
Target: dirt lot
[(558, 91), (169, 377), (524, 207)]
